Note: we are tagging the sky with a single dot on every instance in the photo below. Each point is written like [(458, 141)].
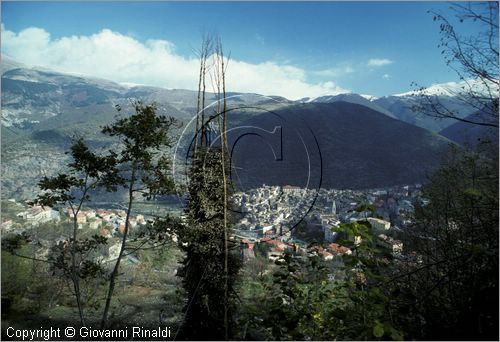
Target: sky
[(291, 49)]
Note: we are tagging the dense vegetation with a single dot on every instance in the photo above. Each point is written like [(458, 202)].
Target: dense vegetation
[(189, 272), (449, 290)]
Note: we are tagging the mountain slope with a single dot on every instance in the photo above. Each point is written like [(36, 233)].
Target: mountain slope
[(401, 107), (43, 110), (353, 98), (357, 147), (464, 133), (360, 147)]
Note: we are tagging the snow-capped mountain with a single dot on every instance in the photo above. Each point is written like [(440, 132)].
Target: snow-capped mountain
[(365, 100), (33, 95), (43, 109), (401, 106)]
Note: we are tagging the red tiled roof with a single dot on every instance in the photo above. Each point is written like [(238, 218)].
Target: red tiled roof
[(336, 248)]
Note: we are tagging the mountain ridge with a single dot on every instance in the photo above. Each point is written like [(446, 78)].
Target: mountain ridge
[(397, 106), (40, 118), (358, 148)]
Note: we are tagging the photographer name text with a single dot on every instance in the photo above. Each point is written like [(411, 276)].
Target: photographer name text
[(47, 334)]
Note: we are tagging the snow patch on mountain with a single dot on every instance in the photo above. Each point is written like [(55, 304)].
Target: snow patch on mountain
[(451, 89), (333, 98), (369, 97)]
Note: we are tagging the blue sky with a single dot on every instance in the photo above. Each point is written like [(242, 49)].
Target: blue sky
[(376, 48)]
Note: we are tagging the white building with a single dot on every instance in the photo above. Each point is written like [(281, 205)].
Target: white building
[(95, 223), (395, 246), (378, 225), (38, 214), (334, 208), (328, 222), (291, 190)]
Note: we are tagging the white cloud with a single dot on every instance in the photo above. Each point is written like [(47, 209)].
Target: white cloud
[(386, 76), (376, 62), (120, 58), (272, 79)]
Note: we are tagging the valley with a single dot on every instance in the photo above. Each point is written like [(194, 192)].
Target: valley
[(44, 110)]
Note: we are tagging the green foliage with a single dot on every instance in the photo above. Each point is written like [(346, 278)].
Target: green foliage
[(144, 138), (72, 259), (13, 242), (144, 141), (455, 285), (87, 171), (356, 228), (356, 235), (27, 287), (82, 252), (365, 207), (160, 230), (261, 249), (157, 259), (140, 163), (302, 303), (203, 240), (15, 275)]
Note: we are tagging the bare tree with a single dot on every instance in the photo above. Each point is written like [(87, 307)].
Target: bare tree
[(220, 77), (210, 267), (204, 53), (475, 60)]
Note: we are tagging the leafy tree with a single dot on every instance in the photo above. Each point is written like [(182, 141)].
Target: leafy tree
[(139, 164), (261, 249), (303, 303), (450, 287), (71, 258), (144, 169), (366, 207)]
